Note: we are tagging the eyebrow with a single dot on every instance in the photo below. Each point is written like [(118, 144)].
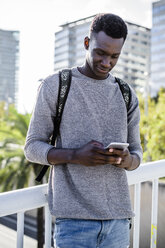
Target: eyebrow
[(100, 49)]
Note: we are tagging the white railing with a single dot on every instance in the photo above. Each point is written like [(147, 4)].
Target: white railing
[(146, 172), (20, 201)]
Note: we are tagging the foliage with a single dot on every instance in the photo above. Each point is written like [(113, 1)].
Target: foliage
[(152, 127), (14, 168)]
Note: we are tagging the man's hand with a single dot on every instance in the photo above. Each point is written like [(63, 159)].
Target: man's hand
[(91, 154), (125, 159)]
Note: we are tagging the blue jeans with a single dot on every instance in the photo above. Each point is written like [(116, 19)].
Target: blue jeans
[(78, 233)]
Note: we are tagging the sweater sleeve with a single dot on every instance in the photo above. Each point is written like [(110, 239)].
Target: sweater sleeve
[(133, 127), (41, 125)]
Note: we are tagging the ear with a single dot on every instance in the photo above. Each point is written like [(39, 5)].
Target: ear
[(86, 42)]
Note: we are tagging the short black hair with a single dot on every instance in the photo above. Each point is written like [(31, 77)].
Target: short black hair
[(111, 24)]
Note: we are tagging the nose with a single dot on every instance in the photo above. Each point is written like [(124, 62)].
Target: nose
[(106, 62)]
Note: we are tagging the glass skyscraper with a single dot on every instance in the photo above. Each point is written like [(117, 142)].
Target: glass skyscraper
[(158, 47), (9, 65)]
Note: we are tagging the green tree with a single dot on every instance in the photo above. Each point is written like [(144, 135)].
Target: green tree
[(152, 127), (156, 131), (15, 170)]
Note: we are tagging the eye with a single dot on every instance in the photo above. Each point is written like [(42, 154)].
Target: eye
[(100, 53), (115, 56)]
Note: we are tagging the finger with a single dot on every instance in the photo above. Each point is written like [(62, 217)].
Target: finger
[(102, 151), (99, 162), (125, 152), (118, 160), (118, 152), (109, 159)]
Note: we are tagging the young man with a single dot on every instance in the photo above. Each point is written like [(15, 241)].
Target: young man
[(88, 190)]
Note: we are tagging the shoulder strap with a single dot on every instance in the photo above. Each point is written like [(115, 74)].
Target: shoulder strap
[(125, 90), (64, 86)]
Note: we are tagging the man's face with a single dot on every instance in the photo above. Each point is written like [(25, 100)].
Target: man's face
[(102, 54)]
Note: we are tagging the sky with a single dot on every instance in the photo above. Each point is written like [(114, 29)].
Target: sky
[(38, 20)]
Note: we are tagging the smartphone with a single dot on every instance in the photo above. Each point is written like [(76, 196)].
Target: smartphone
[(117, 145)]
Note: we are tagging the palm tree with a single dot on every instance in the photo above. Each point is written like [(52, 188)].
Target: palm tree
[(15, 170)]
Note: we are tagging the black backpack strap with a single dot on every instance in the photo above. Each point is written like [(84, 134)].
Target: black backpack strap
[(125, 90), (64, 86)]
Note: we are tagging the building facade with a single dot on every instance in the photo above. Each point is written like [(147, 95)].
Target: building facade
[(134, 62), (9, 65), (158, 47)]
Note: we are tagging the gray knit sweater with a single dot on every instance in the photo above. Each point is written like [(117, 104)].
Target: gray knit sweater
[(94, 110)]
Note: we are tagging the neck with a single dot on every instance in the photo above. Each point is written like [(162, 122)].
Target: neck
[(86, 70)]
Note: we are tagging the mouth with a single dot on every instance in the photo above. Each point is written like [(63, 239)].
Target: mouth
[(103, 71)]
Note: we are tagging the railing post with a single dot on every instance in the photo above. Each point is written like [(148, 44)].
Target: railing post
[(136, 232), (48, 227), (20, 229), (154, 213)]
